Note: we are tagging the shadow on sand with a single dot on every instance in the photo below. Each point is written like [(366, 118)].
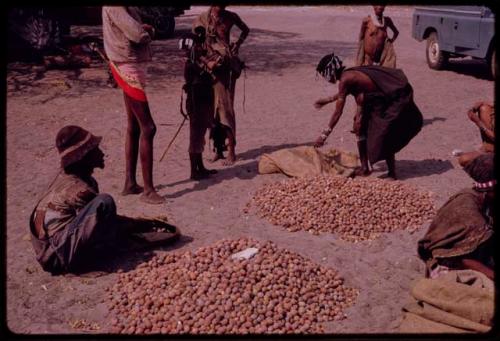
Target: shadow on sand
[(470, 67), (243, 171), (407, 169), (429, 121), (124, 260), (264, 51)]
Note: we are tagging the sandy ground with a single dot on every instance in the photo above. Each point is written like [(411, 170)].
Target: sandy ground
[(280, 86)]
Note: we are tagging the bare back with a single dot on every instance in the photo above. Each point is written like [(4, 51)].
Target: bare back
[(356, 83)]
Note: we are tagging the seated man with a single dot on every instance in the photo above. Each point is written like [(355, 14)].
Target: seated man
[(483, 115), (72, 219), (460, 236), (387, 118)]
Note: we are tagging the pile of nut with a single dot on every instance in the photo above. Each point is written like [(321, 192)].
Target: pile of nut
[(356, 209), (210, 292)]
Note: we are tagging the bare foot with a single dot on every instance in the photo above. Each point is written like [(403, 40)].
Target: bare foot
[(217, 156), (132, 189), (362, 172), (392, 175), (152, 198), (231, 158)]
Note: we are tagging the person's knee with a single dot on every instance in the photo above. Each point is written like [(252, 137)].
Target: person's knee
[(106, 203), (149, 130)]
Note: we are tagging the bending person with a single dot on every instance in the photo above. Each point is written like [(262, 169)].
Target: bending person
[(386, 118)]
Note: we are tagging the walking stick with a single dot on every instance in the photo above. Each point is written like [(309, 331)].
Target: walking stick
[(93, 47), (173, 139), (185, 118)]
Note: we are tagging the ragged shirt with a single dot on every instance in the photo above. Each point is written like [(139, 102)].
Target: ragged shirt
[(125, 40), (64, 199)]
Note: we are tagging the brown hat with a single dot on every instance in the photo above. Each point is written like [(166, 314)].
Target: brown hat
[(73, 143)]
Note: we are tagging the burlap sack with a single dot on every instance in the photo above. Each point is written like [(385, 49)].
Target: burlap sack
[(307, 161), (459, 301)]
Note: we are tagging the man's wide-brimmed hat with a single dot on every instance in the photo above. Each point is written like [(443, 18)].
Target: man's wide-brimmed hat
[(73, 143)]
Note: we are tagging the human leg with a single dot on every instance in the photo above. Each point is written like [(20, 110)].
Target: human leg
[(131, 152), (364, 170), (391, 166), (218, 135), (94, 226), (147, 131), (201, 166), (231, 142)]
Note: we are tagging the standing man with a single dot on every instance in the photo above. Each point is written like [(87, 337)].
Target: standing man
[(126, 42), (199, 102), (218, 23), (374, 44), (386, 118)]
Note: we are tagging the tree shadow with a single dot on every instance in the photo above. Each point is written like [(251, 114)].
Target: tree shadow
[(428, 121), (242, 171), (272, 51), (407, 169), (470, 67), (264, 51)]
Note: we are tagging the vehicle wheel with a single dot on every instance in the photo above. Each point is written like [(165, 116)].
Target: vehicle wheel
[(436, 59), (165, 26), (493, 64)]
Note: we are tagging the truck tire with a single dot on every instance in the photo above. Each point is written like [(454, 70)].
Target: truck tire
[(436, 58), (493, 64)]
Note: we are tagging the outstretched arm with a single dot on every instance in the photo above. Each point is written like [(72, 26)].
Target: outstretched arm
[(339, 109), (324, 101), (395, 32)]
